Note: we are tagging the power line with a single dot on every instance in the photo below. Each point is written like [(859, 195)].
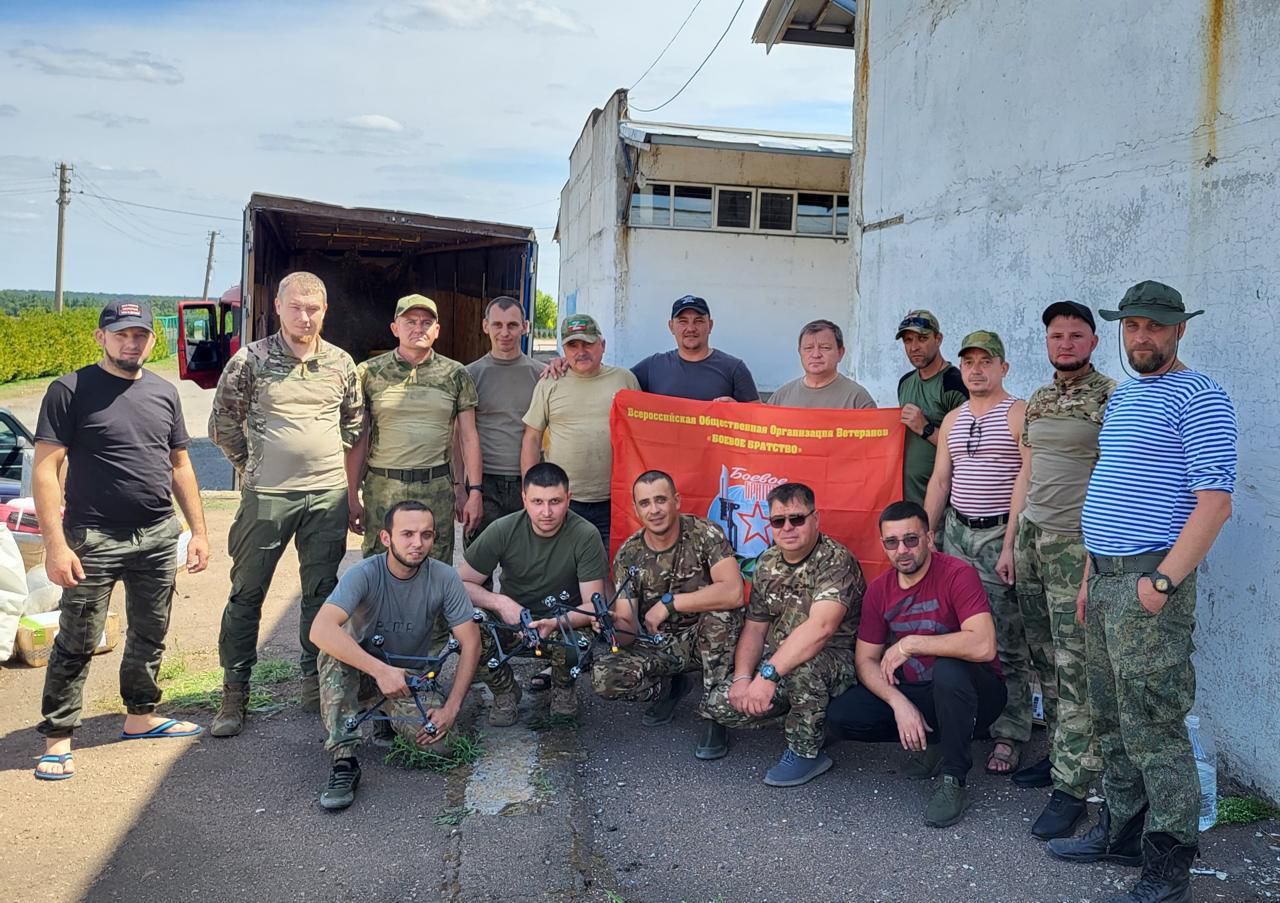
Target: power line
[(229, 219), (732, 19), (668, 47), (143, 225)]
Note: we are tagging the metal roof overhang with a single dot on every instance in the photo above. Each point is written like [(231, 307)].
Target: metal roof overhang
[(646, 134), (313, 225), (817, 23)]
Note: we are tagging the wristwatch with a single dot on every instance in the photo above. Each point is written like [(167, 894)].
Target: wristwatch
[(474, 487), (1162, 584), (769, 672), (670, 602), (929, 430)]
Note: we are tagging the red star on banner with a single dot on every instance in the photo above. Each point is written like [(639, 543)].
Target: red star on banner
[(757, 524)]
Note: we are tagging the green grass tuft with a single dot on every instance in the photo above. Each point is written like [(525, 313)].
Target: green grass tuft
[(1244, 810), (186, 690), (452, 816), (459, 749)]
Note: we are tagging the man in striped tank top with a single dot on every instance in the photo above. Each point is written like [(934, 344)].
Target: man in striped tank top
[(977, 467), (1172, 433)]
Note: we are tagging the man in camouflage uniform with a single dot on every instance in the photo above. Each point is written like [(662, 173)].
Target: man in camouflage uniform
[(414, 397), (286, 412), (1059, 448), (373, 626), (684, 582), (1157, 499), (796, 648)]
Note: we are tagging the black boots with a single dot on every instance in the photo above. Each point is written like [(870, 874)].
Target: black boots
[(1094, 846), (1059, 818), (1166, 872)]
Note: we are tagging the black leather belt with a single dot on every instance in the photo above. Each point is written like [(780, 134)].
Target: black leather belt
[(1127, 564), (505, 478), (424, 475), (981, 523)]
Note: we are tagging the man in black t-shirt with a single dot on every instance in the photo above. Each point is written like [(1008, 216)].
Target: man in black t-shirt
[(119, 428)]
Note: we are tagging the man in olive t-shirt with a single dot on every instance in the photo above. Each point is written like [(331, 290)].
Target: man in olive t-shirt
[(543, 550), (823, 385), (926, 395)]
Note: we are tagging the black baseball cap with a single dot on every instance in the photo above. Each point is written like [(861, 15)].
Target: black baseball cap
[(690, 302), (118, 315), (1068, 309)]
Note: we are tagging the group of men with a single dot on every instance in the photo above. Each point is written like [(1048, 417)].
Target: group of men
[(1017, 549)]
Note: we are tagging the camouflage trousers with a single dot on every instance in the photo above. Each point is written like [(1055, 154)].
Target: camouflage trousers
[(343, 689), (802, 696), (501, 496), (146, 561), (499, 680), (981, 548), (1050, 567), (378, 494), (1141, 687), (635, 672)]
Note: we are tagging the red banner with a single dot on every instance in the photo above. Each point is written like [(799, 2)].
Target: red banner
[(726, 457)]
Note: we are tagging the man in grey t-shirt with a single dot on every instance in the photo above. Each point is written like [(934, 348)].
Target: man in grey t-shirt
[(822, 386), (398, 596)]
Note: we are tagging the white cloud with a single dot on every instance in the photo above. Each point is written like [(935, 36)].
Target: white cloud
[(108, 171), (80, 63), (18, 215), (112, 120), (526, 15), (373, 122), (8, 109)]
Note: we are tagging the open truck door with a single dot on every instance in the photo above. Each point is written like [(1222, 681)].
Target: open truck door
[(208, 335)]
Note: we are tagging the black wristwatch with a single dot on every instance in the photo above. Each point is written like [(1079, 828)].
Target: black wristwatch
[(1162, 584), (929, 430), (769, 672), (474, 487), (670, 602)]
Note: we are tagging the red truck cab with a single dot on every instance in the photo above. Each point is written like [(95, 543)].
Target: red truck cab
[(208, 335)]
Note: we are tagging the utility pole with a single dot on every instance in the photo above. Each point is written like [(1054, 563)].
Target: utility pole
[(64, 198), (208, 267)]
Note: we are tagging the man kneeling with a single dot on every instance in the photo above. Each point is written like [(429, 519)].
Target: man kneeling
[(397, 595), (800, 629), (928, 675), (686, 585)]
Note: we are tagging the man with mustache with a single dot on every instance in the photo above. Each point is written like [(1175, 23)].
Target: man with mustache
[(1157, 499), (926, 393), (684, 571)]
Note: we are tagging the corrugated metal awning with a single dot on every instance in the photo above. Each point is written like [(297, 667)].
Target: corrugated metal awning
[(644, 134), (820, 23)]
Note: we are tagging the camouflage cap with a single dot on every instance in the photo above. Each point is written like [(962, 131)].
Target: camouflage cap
[(984, 341), (921, 321), (580, 328), (416, 302), (1153, 300)]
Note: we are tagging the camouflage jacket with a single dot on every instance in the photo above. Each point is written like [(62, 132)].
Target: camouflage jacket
[(283, 423), (412, 408), (683, 568), (1084, 398), (782, 593)]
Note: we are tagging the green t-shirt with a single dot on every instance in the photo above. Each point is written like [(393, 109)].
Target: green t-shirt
[(936, 396), (412, 408), (533, 566)]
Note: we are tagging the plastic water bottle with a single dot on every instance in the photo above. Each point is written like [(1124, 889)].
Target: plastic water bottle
[(1207, 768)]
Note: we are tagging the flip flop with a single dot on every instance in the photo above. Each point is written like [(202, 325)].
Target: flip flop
[(61, 760), (1009, 759), (160, 731)]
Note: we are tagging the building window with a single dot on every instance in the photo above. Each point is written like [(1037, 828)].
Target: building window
[(651, 205), (733, 208), (842, 215), (693, 207), (775, 211), (815, 214)]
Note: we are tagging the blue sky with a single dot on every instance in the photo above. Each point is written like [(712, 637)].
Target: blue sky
[(453, 107)]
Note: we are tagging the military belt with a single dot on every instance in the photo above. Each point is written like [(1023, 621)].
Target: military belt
[(1127, 564), (505, 478), (981, 523), (422, 475)]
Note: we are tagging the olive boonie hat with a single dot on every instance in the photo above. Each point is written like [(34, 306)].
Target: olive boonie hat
[(984, 341), (921, 321), (1153, 300), (580, 328), (416, 302), (1068, 309)]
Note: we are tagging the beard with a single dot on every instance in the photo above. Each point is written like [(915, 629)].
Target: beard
[(126, 366), (1158, 359), (414, 565), (1071, 366), (911, 567)]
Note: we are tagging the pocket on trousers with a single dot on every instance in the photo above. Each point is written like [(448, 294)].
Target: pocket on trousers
[(1145, 648), (1168, 695)]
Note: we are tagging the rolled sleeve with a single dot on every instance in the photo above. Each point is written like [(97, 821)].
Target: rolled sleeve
[(1209, 433)]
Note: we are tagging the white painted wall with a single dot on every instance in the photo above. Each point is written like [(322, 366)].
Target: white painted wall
[(1042, 150)]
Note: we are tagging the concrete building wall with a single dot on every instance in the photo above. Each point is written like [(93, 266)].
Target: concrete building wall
[(1041, 150)]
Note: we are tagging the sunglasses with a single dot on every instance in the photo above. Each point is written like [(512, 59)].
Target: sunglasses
[(910, 541), (916, 323), (795, 520), (975, 438)]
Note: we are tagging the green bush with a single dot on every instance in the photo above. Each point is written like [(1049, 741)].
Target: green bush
[(544, 311), (41, 343)]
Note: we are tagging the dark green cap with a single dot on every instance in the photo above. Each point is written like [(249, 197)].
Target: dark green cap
[(1153, 300), (580, 328), (921, 321), (985, 341)]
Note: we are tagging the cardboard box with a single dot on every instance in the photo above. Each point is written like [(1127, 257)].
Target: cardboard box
[(36, 633)]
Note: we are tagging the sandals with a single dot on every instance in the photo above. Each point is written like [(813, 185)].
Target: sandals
[(163, 730), (1010, 759), (50, 776)]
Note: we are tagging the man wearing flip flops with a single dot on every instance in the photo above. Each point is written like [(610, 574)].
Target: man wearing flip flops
[(119, 428)]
